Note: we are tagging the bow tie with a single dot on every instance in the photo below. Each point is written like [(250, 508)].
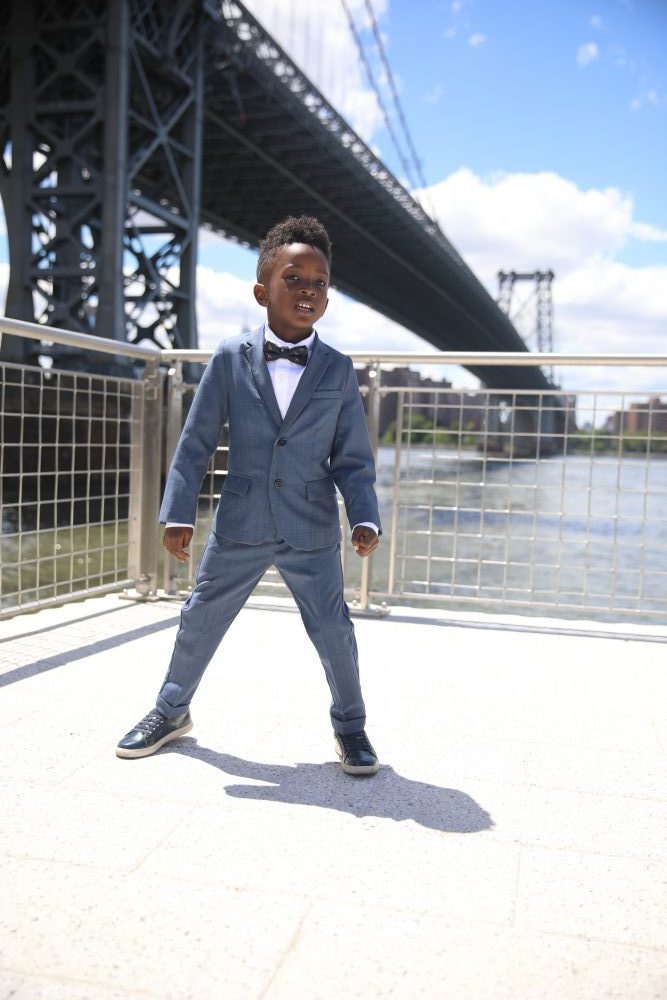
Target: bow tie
[(299, 355)]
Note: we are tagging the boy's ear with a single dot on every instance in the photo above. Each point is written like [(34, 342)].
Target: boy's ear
[(261, 294)]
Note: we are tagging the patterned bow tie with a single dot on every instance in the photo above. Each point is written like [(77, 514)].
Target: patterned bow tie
[(299, 355)]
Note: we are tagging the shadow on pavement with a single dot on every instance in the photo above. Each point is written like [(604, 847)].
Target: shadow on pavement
[(83, 652), (388, 795)]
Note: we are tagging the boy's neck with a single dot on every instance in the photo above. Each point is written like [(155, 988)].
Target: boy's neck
[(297, 337)]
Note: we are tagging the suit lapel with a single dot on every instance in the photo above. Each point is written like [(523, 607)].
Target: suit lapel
[(255, 353), (318, 363)]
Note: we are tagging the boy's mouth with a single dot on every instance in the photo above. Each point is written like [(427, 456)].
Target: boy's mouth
[(304, 307)]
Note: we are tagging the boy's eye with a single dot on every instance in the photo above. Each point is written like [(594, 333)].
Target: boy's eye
[(292, 277)]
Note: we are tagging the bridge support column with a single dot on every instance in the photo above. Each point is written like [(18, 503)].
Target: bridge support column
[(523, 426), (101, 128)]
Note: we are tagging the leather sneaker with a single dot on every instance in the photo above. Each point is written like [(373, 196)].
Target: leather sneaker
[(153, 732), (357, 756)]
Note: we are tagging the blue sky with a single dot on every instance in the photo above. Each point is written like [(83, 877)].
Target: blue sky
[(572, 87), (542, 131)]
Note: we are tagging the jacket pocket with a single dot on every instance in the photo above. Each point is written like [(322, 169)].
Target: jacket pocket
[(316, 489), (327, 393), (234, 483)]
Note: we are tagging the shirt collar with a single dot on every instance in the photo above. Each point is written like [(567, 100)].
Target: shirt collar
[(275, 339)]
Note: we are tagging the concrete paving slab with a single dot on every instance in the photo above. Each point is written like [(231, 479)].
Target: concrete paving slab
[(157, 936), (512, 845), (616, 899), (426, 957), (26, 986), (100, 830), (598, 772)]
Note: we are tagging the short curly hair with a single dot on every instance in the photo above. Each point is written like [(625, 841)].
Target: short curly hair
[(294, 229)]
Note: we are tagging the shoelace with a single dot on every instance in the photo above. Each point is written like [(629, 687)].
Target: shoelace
[(355, 741), (149, 722)]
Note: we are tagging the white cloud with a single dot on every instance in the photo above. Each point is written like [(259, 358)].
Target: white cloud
[(225, 305), (649, 97), (476, 40), (529, 211), (529, 222), (596, 22), (588, 53)]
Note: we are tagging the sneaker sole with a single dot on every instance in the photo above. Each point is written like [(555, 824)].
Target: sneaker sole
[(349, 769), (147, 751)]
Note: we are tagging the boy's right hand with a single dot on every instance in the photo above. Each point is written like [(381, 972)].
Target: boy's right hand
[(176, 540)]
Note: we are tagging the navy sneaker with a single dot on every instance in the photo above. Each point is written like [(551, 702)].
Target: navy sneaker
[(153, 732), (357, 756)]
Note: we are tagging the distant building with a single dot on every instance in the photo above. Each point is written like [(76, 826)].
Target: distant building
[(432, 405), (640, 418)]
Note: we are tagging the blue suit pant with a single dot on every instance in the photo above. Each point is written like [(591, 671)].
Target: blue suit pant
[(228, 573)]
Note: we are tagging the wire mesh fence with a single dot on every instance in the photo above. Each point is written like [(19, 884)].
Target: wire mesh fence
[(530, 505), (530, 502), (65, 466)]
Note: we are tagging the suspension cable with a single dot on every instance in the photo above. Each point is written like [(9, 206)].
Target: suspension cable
[(371, 79), (394, 94), (397, 104)]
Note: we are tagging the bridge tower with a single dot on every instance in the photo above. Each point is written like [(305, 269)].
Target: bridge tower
[(100, 166), (539, 334), (534, 427)]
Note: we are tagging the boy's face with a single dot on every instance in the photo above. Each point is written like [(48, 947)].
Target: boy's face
[(294, 292)]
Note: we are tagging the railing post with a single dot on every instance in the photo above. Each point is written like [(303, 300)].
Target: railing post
[(145, 480), (395, 495), (174, 427), (373, 417)]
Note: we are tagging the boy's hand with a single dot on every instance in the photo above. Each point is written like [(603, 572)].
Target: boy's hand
[(364, 540), (176, 540)]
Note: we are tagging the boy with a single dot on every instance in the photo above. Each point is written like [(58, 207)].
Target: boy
[(297, 431)]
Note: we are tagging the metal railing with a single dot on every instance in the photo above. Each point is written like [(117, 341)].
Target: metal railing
[(530, 502)]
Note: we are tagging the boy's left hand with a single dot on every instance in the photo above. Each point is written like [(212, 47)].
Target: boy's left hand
[(364, 540)]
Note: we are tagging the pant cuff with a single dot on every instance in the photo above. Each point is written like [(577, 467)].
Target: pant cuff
[(345, 728)]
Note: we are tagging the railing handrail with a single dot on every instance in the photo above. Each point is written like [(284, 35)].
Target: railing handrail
[(89, 342), (468, 358), (69, 338)]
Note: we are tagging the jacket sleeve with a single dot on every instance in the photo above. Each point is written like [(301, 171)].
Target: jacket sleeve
[(352, 463), (198, 441)]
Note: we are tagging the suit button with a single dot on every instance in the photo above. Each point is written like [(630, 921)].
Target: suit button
[(282, 441), (278, 483)]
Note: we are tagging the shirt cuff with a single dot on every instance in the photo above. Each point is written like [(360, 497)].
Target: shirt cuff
[(178, 524)]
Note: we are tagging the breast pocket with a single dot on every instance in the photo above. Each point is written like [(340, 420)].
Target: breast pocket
[(327, 394)]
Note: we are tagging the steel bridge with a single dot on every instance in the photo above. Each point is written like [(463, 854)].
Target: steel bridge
[(127, 125)]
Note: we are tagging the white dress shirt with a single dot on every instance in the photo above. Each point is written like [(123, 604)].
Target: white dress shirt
[(285, 375)]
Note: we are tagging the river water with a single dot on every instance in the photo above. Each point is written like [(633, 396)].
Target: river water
[(571, 535), (574, 536)]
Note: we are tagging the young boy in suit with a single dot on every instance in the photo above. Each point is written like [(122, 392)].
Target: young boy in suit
[(297, 430)]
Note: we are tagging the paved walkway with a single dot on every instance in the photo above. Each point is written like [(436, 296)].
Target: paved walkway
[(512, 845)]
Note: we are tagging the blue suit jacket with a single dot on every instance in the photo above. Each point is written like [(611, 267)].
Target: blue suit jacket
[(282, 473)]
